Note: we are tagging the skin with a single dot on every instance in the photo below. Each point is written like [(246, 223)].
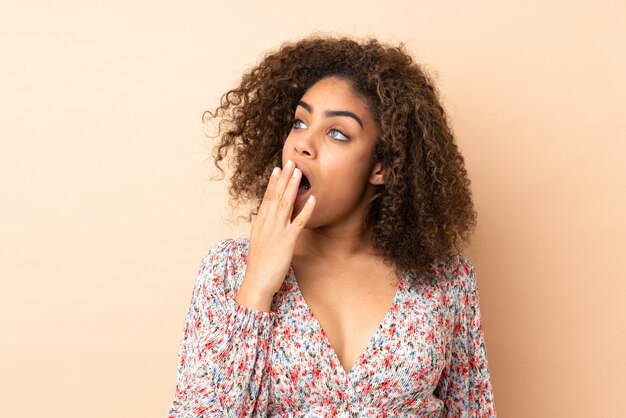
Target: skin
[(339, 273), (336, 152)]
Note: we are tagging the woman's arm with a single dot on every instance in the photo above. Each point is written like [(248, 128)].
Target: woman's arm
[(465, 384), (223, 358)]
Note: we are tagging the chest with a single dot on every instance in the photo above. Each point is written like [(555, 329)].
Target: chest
[(348, 312), (370, 345), (348, 306)]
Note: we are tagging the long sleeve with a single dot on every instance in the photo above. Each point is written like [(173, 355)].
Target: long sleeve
[(465, 384), (223, 359)]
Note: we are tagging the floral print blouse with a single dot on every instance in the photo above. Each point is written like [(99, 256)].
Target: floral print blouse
[(427, 358)]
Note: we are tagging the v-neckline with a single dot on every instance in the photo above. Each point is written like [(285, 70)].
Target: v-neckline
[(324, 337)]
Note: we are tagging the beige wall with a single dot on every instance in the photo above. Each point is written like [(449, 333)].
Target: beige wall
[(107, 211)]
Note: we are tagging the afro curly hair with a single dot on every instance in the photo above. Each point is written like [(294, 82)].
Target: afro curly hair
[(424, 213)]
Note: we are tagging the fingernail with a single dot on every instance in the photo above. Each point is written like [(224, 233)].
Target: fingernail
[(289, 164), (275, 172), (296, 172)]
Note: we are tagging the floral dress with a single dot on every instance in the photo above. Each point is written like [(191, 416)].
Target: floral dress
[(427, 358)]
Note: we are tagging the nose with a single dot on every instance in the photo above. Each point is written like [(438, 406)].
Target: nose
[(304, 144)]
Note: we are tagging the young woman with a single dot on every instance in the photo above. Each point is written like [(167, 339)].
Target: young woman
[(351, 296)]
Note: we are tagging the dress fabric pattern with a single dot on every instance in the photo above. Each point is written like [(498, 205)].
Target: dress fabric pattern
[(427, 358)]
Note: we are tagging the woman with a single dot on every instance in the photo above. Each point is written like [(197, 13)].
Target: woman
[(351, 296)]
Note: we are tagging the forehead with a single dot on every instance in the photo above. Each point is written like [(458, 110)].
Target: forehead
[(332, 93)]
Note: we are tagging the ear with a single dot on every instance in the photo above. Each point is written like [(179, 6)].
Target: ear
[(377, 175)]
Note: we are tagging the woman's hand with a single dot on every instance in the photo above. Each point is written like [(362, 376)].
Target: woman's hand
[(273, 238)]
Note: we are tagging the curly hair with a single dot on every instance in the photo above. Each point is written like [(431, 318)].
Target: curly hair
[(423, 213)]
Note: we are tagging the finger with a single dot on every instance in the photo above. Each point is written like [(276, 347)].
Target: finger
[(303, 217), (269, 190), (285, 205), (279, 188)]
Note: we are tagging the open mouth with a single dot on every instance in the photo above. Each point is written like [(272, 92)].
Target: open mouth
[(305, 185)]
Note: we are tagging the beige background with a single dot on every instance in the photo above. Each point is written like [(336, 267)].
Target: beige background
[(107, 210)]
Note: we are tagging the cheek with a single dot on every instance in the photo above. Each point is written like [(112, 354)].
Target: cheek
[(284, 149), (348, 178), (288, 148)]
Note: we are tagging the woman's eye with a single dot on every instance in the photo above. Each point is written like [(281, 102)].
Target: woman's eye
[(296, 122), (341, 138), (334, 133)]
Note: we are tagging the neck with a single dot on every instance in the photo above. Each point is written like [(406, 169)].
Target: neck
[(338, 243)]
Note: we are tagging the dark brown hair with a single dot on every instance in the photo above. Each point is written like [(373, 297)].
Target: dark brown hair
[(424, 211)]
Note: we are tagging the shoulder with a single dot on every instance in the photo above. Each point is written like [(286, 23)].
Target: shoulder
[(225, 263), (227, 245), (456, 273), (225, 251), (219, 269)]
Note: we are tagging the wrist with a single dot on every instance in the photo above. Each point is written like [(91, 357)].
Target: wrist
[(254, 298)]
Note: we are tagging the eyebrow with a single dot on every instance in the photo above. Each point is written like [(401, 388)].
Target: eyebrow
[(331, 113)]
